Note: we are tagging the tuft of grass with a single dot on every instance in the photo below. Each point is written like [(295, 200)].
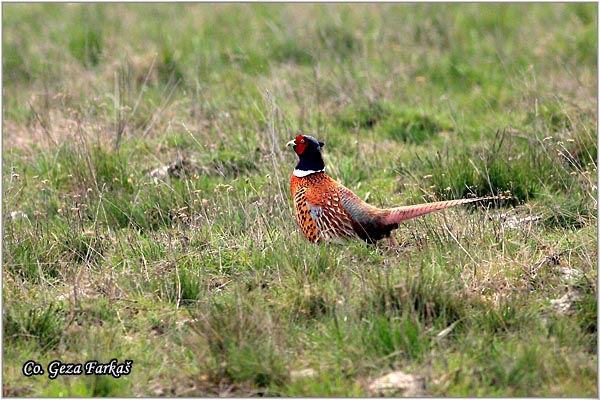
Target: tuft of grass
[(402, 124), (338, 40), (394, 338), (86, 45), (42, 325), (289, 50), (410, 126), (363, 117), (241, 343)]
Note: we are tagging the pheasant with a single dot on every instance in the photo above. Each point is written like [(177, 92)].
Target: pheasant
[(327, 210)]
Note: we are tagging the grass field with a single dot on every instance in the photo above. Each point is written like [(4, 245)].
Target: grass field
[(199, 274)]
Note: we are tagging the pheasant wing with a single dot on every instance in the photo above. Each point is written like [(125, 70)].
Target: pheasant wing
[(327, 211)]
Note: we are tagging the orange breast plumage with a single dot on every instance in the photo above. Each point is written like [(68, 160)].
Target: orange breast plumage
[(320, 211)]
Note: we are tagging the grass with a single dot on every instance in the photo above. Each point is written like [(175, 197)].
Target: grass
[(201, 276)]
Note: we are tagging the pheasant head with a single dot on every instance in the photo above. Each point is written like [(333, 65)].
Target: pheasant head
[(308, 150)]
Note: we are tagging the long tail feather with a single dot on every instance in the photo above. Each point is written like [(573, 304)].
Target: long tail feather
[(400, 214)]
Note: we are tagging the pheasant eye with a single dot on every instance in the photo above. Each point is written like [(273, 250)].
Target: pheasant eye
[(302, 141)]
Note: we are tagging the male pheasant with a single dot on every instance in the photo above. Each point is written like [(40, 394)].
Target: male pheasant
[(326, 210)]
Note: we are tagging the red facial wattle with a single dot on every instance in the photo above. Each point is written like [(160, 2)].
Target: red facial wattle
[(301, 144)]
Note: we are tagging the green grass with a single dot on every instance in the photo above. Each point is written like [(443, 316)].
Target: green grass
[(203, 278)]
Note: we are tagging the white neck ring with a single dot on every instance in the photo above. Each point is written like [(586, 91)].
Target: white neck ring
[(302, 173)]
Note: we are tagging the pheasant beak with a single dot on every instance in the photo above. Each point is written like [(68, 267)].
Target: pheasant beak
[(291, 143)]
